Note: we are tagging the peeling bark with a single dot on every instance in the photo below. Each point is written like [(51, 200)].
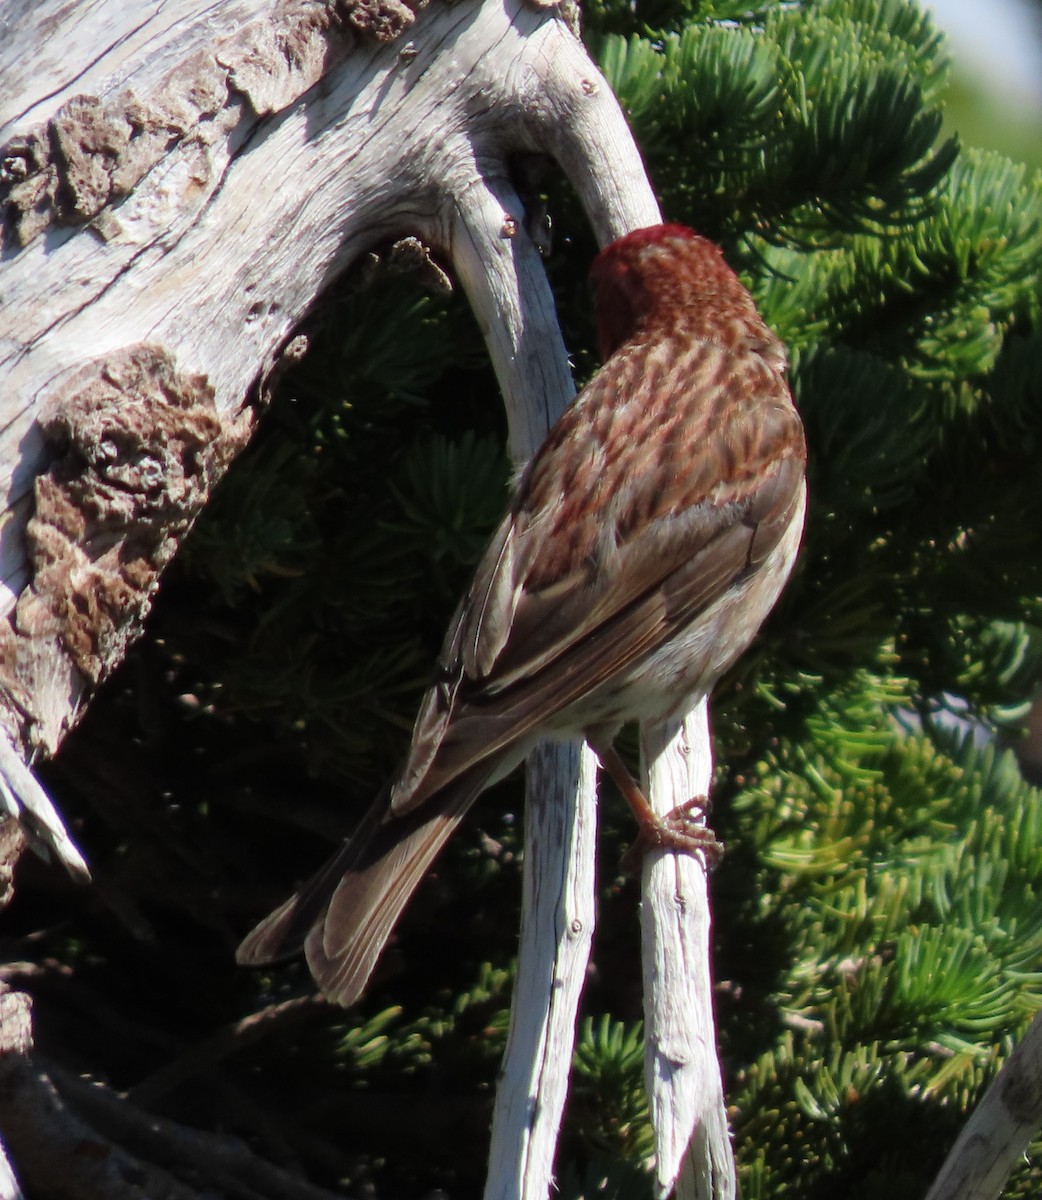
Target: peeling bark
[(92, 153), (135, 448), (12, 843), (138, 447)]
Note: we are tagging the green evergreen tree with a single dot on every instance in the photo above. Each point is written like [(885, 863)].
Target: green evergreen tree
[(878, 932)]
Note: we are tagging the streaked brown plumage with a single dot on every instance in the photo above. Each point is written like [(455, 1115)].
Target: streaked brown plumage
[(643, 547)]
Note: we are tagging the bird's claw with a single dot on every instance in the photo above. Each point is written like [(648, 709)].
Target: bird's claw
[(680, 829)]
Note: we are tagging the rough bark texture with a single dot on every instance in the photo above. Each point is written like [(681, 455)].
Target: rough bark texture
[(137, 447), (93, 152)]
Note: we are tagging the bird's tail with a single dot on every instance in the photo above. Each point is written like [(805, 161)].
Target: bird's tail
[(344, 914)]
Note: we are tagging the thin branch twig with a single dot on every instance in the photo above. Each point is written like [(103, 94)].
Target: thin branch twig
[(229, 1040), (999, 1129), (685, 1089)]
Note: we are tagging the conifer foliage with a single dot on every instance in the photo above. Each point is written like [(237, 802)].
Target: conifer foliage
[(878, 928)]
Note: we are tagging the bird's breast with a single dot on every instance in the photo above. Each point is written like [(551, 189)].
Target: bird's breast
[(669, 681)]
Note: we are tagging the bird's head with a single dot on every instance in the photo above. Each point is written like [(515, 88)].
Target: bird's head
[(656, 276)]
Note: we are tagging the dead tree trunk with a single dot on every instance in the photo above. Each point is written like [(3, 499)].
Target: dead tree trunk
[(157, 260), (175, 198)]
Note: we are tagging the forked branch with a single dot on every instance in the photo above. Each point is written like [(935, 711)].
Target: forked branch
[(275, 151)]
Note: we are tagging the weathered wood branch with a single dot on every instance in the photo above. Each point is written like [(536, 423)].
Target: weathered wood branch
[(172, 210), (79, 1139), (1000, 1128), (685, 1088)]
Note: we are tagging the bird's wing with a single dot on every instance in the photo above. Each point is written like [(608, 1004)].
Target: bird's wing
[(593, 571)]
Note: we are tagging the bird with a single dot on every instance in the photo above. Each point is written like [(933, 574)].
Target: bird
[(643, 546)]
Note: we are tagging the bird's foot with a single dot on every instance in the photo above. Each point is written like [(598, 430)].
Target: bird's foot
[(680, 829)]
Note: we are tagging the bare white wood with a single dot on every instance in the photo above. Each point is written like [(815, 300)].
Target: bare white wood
[(503, 275), (9, 1189), (22, 797), (683, 1073), (557, 923), (508, 290), (997, 1134), (281, 153)]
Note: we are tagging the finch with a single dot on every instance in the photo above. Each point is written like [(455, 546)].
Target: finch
[(643, 546)]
